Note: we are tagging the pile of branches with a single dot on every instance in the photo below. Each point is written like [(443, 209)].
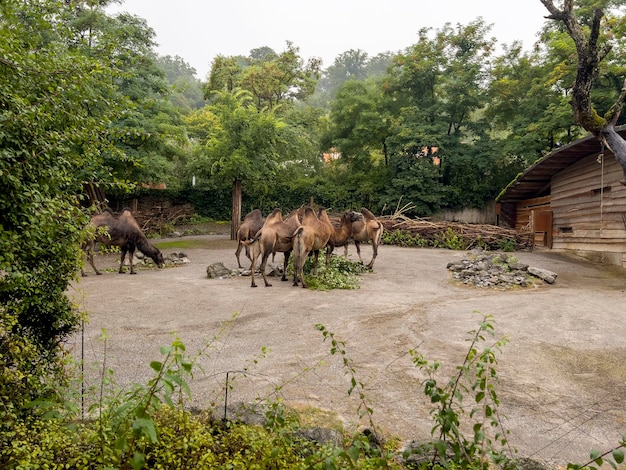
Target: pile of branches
[(154, 221), (486, 236)]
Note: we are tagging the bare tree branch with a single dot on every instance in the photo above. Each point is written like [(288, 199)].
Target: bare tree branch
[(591, 51)]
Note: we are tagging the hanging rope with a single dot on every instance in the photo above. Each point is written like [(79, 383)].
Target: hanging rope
[(601, 161)]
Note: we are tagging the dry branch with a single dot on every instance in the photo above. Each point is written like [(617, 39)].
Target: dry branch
[(487, 235)]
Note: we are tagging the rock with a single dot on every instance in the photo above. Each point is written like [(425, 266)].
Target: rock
[(496, 270), (517, 266), (322, 436), (218, 271), (544, 274)]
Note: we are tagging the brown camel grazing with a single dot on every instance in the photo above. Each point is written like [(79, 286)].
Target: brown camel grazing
[(251, 224), (312, 236), (274, 237), (368, 229), (123, 232), (341, 232)]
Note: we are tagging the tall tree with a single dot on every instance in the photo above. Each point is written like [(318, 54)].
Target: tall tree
[(436, 90), (186, 89), (240, 145), (594, 41), (271, 78)]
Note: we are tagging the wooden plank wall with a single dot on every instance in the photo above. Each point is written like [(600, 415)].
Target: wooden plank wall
[(589, 207), (524, 209)]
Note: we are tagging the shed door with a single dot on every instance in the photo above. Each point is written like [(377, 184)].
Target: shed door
[(542, 227)]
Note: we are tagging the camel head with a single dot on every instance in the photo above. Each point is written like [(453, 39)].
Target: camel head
[(353, 216), (158, 259)]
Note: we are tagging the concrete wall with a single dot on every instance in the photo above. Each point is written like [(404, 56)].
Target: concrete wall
[(486, 215)]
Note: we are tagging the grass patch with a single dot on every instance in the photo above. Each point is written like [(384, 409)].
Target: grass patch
[(190, 244)]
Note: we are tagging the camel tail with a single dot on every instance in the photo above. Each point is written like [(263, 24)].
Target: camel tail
[(250, 241), (297, 237)]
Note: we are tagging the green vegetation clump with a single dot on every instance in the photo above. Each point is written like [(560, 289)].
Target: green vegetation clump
[(340, 274)]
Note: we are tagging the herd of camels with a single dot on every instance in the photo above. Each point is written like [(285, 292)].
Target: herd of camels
[(303, 232)]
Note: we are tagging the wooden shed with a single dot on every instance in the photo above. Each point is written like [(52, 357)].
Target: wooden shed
[(571, 199)]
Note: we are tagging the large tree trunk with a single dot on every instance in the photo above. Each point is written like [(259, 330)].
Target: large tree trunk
[(591, 51), (236, 210)]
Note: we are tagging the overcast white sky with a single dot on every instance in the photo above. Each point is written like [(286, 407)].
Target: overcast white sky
[(199, 30)]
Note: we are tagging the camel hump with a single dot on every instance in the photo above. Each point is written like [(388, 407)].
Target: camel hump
[(367, 214), (309, 214), (253, 215), (275, 216)]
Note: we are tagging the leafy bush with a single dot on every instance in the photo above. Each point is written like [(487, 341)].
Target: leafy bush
[(402, 238), (451, 240)]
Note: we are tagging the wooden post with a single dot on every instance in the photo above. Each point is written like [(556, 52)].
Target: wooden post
[(236, 209)]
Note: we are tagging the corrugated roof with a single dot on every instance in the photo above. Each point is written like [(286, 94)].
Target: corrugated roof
[(536, 179)]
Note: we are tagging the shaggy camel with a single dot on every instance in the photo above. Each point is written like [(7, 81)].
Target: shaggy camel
[(370, 228), (123, 232), (341, 232), (251, 224), (274, 237), (311, 236)]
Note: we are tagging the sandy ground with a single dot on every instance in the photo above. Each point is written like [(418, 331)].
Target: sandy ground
[(562, 374)]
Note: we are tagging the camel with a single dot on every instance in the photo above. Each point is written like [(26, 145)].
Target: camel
[(274, 237), (251, 224), (311, 236), (368, 229), (123, 232), (341, 232)]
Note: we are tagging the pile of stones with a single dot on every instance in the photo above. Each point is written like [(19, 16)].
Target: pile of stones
[(497, 270)]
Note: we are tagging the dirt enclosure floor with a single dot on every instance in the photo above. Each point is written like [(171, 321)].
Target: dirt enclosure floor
[(562, 374)]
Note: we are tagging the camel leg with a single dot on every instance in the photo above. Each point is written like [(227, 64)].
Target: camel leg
[(374, 255), (329, 252), (93, 264), (302, 272), (263, 264), (90, 249), (121, 270), (239, 247), (255, 252), (285, 263), (130, 249), (358, 250), (316, 257), (298, 268)]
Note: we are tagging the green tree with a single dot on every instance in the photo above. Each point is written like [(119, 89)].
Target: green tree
[(240, 144), (271, 78), (186, 90), (149, 140), (436, 91), (350, 65), (57, 104)]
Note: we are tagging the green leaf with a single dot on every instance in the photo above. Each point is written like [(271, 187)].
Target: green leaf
[(146, 428), (156, 365), (618, 455)]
